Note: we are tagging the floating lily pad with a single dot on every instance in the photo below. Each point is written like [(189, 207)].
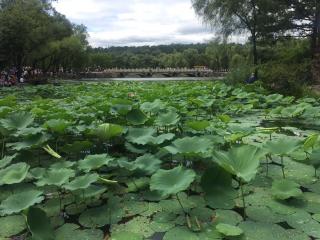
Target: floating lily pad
[(11, 225), (20, 201), (284, 189), (15, 173), (126, 236), (229, 230), (72, 231)]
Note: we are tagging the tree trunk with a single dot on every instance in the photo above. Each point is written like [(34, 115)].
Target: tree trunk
[(254, 39)]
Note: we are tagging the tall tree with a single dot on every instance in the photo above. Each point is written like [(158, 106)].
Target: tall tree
[(241, 16)]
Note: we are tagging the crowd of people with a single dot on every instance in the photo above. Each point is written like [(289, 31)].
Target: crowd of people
[(11, 77)]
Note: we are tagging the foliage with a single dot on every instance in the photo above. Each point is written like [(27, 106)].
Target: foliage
[(182, 164)]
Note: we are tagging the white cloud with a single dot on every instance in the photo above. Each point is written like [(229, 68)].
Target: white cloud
[(136, 22)]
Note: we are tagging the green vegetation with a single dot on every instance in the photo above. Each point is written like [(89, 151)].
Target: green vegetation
[(117, 161)]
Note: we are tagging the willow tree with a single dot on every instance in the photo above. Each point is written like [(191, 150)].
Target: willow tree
[(253, 17)]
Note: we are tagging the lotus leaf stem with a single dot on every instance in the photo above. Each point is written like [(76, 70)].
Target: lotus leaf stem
[(282, 167)]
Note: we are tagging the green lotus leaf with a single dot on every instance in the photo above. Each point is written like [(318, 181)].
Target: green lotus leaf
[(147, 163), (285, 189), (101, 216), (217, 185), (71, 231), (82, 182), (264, 231), (181, 233), (121, 106), (189, 145), (7, 160), (162, 138), (153, 107), (20, 201), (17, 121), (15, 173), (107, 131), (314, 158), (173, 181), (310, 142), (28, 131), (57, 125), (11, 225), (283, 146), (229, 230), (91, 192), (138, 225), (92, 162), (39, 224), (167, 119), (56, 177), (141, 136), (136, 117), (242, 162), (29, 142), (126, 236), (198, 125), (62, 164)]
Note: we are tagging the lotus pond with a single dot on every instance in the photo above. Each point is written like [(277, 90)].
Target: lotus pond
[(160, 161)]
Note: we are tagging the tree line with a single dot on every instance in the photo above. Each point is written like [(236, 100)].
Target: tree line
[(283, 46)]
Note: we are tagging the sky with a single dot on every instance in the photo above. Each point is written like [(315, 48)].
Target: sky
[(136, 22)]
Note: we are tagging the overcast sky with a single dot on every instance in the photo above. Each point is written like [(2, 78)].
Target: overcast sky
[(136, 22)]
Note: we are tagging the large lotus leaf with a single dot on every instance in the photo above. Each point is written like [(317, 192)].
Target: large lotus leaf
[(181, 233), (39, 224), (20, 201), (15, 173), (57, 125), (29, 142), (153, 107), (198, 125), (190, 145), (162, 138), (121, 106), (283, 146), (92, 162), (284, 189), (6, 160), (173, 181), (11, 225), (263, 231), (62, 164), (136, 117), (23, 132), (138, 225), (71, 231), (311, 141), (141, 136), (107, 131), (314, 158), (101, 216), (167, 119), (126, 236), (242, 162), (91, 192), (217, 185), (229, 230), (147, 163), (56, 177), (17, 121), (82, 182)]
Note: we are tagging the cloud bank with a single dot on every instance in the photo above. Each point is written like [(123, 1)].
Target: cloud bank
[(136, 22)]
